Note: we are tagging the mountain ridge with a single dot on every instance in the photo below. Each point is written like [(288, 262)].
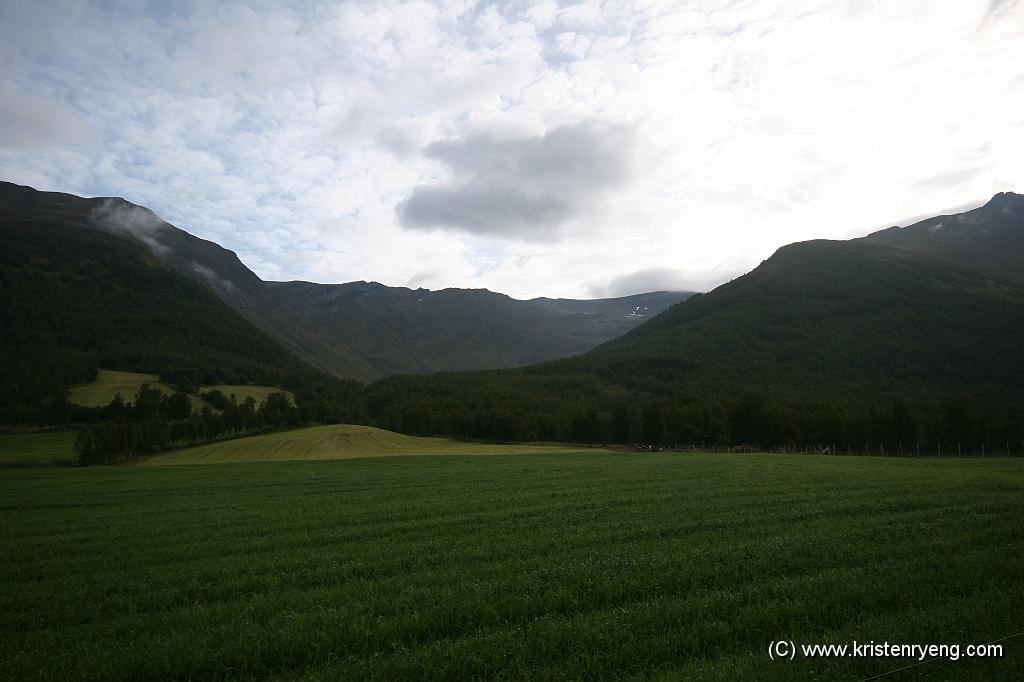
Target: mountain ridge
[(822, 332), (520, 333)]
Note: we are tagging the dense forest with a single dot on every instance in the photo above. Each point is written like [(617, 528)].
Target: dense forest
[(845, 344), (76, 300)]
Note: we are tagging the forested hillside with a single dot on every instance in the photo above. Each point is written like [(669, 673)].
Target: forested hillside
[(825, 342), (359, 330), (76, 300), (204, 262)]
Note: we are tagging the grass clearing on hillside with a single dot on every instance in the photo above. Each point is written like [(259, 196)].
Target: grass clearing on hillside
[(594, 566), (337, 441), (241, 392), (109, 383), (37, 448)]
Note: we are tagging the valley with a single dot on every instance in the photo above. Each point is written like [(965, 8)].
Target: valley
[(511, 341)]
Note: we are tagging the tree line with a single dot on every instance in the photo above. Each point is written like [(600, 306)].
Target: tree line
[(953, 424), (451, 406), (155, 422)]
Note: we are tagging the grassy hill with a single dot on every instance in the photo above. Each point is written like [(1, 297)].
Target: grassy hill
[(241, 391), (339, 441), (110, 383)]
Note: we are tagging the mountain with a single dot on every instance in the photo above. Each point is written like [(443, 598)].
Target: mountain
[(356, 331), (202, 261), (404, 331), (75, 300), (989, 238), (821, 332)]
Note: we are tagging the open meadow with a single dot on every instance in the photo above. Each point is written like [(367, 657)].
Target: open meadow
[(37, 448), (547, 566), (110, 383), (241, 392), (337, 441)]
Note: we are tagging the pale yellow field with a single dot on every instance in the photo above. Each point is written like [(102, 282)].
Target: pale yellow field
[(258, 393), (109, 383), (340, 441)]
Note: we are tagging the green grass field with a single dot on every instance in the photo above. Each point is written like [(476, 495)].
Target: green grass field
[(109, 383), (258, 393), (552, 566), (339, 441), (37, 448)]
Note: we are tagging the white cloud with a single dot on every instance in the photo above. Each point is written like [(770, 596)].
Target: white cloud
[(128, 219), (290, 134)]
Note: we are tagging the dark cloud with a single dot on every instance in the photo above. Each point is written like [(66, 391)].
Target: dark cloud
[(483, 209), (653, 279), (520, 187)]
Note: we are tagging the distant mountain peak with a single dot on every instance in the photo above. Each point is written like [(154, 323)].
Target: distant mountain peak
[(989, 238), (1006, 200)]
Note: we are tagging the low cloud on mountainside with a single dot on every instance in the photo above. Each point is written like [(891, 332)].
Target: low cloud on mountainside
[(520, 187), (661, 279), (136, 221)]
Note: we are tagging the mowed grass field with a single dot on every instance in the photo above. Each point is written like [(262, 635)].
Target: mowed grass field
[(337, 441), (37, 448), (241, 392), (549, 566), (109, 383)]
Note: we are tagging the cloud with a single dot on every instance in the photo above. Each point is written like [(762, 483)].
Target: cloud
[(521, 187), (119, 216), (28, 121), (396, 142), (211, 278), (654, 279), (999, 8), (537, 149), (423, 277)]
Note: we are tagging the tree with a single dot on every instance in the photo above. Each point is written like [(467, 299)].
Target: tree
[(904, 425), (179, 406)]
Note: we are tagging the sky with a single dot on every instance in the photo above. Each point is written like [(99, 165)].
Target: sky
[(572, 149)]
